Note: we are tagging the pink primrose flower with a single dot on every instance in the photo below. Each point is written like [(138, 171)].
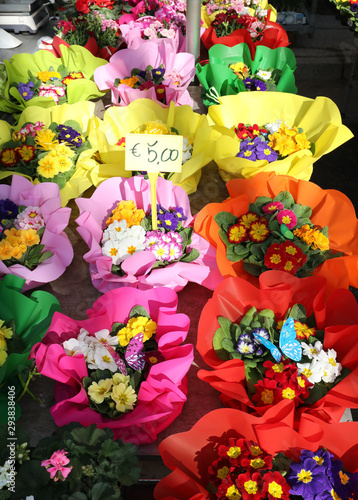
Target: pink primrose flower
[(287, 217)]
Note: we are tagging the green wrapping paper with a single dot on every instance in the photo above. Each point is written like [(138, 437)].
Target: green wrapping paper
[(217, 73), (32, 317)]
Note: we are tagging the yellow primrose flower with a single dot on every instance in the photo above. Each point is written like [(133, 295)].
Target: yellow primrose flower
[(62, 149), (153, 127), (303, 331), (18, 251), (98, 392), (45, 76), (127, 210), (48, 167), (320, 241), (30, 237), (129, 81), (3, 356), (5, 332), (13, 239), (119, 378), (124, 396), (124, 336), (45, 139), (5, 250), (142, 324), (240, 69), (27, 153), (64, 163)]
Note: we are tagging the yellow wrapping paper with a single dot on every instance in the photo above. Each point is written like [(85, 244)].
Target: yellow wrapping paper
[(118, 121), (319, 118), (82, 112)]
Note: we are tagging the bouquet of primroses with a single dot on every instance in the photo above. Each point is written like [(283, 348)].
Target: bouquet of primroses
[(42, 79), (144, 116), (123, 368), (349, 10), (33, 244), (23, 322), (285, 340), (261, 9), (231, 23), (47, 150), (97, 34), (230, 454), (278, 222), (274, 132), (74, 462), (231, 70), (125, 250), (151, 71)]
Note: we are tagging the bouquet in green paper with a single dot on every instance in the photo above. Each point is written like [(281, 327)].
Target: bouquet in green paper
[(42, 79), (23, 322), (231, 70)]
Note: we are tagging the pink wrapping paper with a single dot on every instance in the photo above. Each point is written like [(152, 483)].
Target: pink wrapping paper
[(161, 395), (46, 196), (95, 211), (150, 53)]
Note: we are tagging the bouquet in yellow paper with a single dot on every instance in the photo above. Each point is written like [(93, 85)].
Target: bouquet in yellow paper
[(274, 132), (145, 116)]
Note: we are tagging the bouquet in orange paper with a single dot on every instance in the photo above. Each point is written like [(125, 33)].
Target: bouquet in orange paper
[(230, 454), (278, 222), (284, 340)]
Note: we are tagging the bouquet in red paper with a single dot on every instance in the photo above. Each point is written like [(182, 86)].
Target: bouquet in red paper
[(280, 342), (123, 368), (229, 454)]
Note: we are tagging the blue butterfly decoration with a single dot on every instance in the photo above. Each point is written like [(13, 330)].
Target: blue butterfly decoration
[(289, 345)]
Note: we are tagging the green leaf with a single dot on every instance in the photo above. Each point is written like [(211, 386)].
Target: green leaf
[(225, 218), (139, 311), (286, 198), (302, 211), (101, 491), (262, 201), (218, 338), (298, 313), (191, 256)]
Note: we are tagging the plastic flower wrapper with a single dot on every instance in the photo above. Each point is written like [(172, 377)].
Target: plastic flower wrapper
[(317, 120), (146, 116), (42, 79), (234, 24), (143, 258), (45, 145), (195, 456), (330, 209), (72, 461), (40, 211), (140, 404), (246, 371), (231, 70), (150, 71), (24, 321), (261, 9)]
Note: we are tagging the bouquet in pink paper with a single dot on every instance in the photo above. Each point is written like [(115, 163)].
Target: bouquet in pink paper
[(124, 367), (33, 244), (125, 250), (150, 71)]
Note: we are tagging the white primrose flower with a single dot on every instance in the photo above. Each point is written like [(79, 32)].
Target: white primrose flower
[(329, 361), (187, 149), (313, 371), (311, 350), (265, 75), (4, 475), (115, 231), (104, 337), (104, 360), (274, 126)]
